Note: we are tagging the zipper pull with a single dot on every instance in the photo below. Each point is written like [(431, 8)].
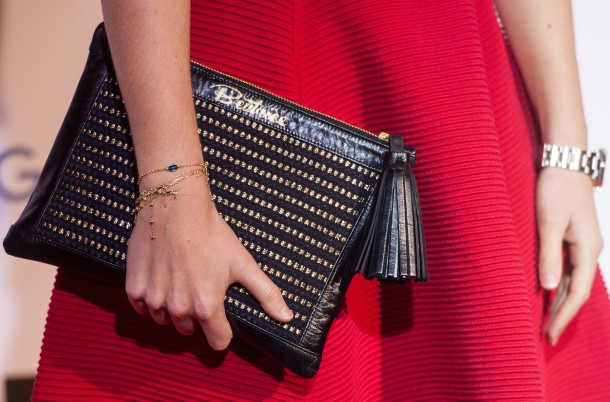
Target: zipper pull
[(383, 136)]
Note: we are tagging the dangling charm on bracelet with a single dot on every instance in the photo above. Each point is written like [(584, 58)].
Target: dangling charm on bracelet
[(165, 189)]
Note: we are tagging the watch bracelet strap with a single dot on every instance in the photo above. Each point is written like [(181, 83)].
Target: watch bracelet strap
[(591, 163)]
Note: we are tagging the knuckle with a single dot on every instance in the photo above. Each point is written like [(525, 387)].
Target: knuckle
[(206, 309), (589, 243), (242, 266), (135, 291), (155, 301), (179, 309), (588, 251), (272, 292), (582, 296)]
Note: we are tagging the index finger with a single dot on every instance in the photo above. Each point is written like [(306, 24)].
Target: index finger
[(264, 290)]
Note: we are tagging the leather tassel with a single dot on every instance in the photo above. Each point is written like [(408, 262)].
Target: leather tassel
[(394, 248)]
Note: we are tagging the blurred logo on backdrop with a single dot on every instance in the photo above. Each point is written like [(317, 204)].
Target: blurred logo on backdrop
[(17, 173)]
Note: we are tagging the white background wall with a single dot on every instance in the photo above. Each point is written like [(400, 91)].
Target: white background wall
[(53, 36), (592, 36)]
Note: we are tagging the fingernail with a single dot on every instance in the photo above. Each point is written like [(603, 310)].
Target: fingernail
[(286, 314), (549, 281)]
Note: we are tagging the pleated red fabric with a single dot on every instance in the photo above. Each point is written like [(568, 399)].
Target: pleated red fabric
[(440, 74)]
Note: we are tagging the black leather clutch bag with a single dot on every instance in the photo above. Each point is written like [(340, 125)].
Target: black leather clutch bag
[(313, 199)]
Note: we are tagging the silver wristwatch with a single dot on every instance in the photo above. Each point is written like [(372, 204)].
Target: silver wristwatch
[(591, 163)]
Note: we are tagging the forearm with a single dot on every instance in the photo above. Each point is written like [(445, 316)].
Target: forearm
[(542, 37), (149, 41)]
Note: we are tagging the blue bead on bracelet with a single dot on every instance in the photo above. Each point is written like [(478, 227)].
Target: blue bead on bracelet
[(171, 168)]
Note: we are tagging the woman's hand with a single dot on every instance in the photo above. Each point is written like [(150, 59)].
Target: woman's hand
[(183, 274), (566, 221)]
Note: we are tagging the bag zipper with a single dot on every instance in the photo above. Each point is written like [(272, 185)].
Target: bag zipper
[(383, 136)]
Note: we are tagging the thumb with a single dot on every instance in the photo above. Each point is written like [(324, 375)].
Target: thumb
[(550, 257)]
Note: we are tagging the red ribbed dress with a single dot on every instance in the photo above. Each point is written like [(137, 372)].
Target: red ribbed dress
[(440, 73)]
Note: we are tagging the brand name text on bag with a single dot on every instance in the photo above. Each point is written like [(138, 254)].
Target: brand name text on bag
[(233, 97)]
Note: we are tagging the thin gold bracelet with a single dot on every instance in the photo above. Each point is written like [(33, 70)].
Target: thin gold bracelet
[(171, 168), (165, 190)]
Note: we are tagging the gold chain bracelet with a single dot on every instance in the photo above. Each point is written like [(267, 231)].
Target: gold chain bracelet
[(165, 190), (171, 168)]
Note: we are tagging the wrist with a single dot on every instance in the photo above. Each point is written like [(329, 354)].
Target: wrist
[(154, 171), (571, 132), (173, 189)]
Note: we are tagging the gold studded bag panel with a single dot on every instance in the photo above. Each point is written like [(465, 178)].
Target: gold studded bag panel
[(313, 199)]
